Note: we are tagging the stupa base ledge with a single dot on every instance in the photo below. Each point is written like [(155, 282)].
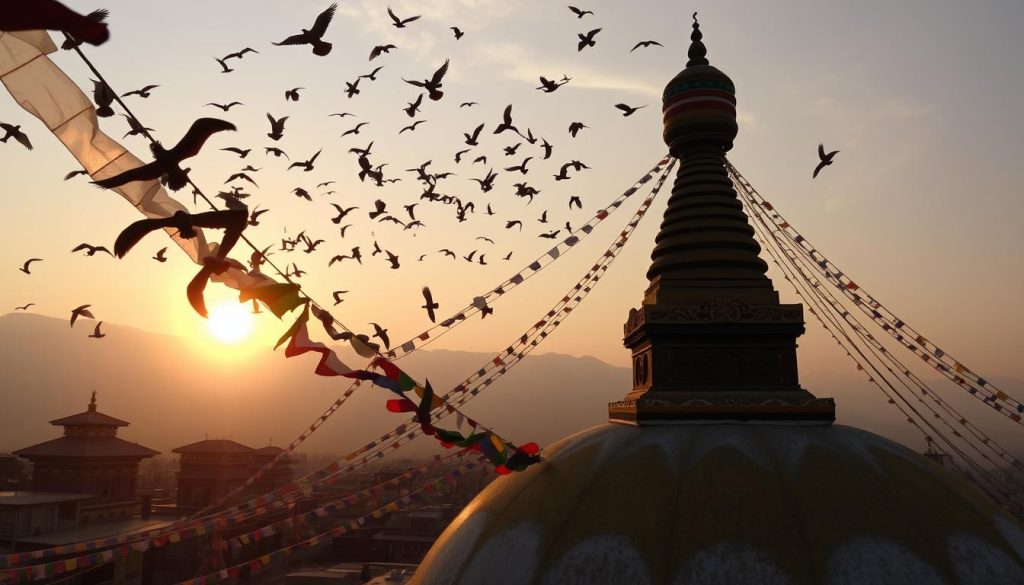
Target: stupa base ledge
[(646, 411)]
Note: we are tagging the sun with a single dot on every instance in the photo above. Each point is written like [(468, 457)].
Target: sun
[(230, 322)]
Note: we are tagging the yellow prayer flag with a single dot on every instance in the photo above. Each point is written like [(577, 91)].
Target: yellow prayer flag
[(1001, 395)]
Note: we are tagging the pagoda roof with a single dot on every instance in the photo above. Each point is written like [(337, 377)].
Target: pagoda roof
[(82, 447), (89, 418), (223, 446)]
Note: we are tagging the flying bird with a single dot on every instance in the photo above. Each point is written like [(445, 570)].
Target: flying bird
[(587, 40), (379, 50), (380, 209), (232, 221), (90, 250), (277, 152), (142, 93), (166, 161), (74, 174), (52, 15), (224, 65), (15, 132), (23, 307), (342, 212), (580, 13), (400, 23), (71, 42), (103, 96), (306, 165), (826, 159), (430, 305), (381, 334), (354, 130), (521, 167), (337, 296), (240, 54), (467, 104), (225, 107), (161, 255), (432, 85), (487, 183), (292, 94), (628, 110), (575, 199), (276, 127), (548, 85), (645, 44), (352, 88), (392, 259), (82, 311), (314, 35), (240, 152), (575, 127), (96, 333), (506, 122), (135, 127), (412, 126), (458, 32), (471, 137), (24, 267), (254, 216), (414, 106)]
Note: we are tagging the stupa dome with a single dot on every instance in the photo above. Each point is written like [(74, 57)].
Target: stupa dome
[(729, 504)]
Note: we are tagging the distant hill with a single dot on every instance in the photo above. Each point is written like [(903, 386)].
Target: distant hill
[(174, 394)]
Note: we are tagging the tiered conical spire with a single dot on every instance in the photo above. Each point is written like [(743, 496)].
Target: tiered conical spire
[(711, 341)]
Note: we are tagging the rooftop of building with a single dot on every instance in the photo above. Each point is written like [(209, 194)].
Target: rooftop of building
[(22, 498)]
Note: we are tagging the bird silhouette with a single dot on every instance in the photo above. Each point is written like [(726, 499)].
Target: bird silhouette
[(521, 167), (352, 88), (380, 209), (458, 155), (52, 15), (242, 153), (276, 127), (550, 235), (487, 183), (511, 150), (232, 221), (580, 13), (471, 137), (548, 149), (826, 159), (314, 35), (381, 334), (645, 44), (401, 22), (135, 128), (306, 165), (513, 223), (74, 174), (354, 130), (11, 131), (292, 94), (337, 296), (225, 107), (467, 104), (575, 199), (380, 50), (23, 307), (161, 255), (506, 122), (447, 252), (414, 106), (166, 161), (458, 32), (82, 311), (628, 110), (549, 86), (142, 93), (587, 40), (302, 193), (240, 54), (24, 267), (224, 65), (575, 127), (70, 43), (412, 126), (96, 333), (372, 76), (393, 259), (277, 152), (90, 250), (432, 85), (103, 96), (342, 212)]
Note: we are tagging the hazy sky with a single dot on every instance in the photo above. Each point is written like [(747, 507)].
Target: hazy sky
[(922, 207)]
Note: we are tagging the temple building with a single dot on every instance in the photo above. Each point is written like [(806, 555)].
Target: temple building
[(90, 460), (213, 468), (717, 467)]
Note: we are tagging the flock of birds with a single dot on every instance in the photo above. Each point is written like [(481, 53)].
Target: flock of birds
[(167, 163)]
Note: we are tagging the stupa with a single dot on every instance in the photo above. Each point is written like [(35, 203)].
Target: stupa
[(717, 467)]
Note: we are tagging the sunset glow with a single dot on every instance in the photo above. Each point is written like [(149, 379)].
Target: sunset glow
[(230, 322)]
